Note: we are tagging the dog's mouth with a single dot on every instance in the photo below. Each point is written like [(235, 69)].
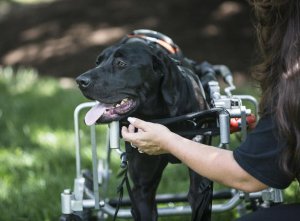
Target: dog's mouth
[(104, 113)]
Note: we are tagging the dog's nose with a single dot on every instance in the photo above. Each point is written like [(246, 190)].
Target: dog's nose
[(83, 81)]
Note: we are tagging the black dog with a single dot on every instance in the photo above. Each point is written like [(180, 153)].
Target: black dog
[(145, 75)]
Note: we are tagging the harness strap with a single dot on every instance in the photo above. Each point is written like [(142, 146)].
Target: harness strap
[(200, 114), (120, 190), (171, 48), (133, 203)]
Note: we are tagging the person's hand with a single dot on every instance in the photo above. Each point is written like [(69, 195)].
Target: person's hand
[(150, 138)]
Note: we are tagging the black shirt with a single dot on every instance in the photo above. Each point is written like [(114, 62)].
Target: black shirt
[(260, 153)]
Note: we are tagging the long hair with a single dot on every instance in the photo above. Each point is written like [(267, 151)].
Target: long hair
[(278, 34)]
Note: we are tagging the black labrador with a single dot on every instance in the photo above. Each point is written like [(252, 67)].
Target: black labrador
[(145, 75)]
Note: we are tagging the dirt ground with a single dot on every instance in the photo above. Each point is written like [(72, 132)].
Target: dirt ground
[(62, 38)]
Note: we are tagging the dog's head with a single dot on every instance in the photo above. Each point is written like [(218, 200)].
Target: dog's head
[(131, 78)]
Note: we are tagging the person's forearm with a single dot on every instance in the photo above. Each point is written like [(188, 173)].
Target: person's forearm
[(214, 163)]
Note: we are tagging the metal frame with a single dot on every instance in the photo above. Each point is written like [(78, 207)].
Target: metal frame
[(74, 201)]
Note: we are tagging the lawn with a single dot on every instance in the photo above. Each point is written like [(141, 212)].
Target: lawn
[(36, 144), (37, 157)]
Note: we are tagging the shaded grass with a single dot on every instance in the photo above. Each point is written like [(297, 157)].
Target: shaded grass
[(36, 144), (37, 157)]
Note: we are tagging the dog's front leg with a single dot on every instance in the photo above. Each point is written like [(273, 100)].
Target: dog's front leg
[(145, 172)]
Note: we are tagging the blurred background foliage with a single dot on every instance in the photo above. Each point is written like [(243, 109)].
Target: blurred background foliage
[(46, 43)]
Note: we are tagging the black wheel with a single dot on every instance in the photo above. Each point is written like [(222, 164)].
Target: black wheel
[(85, 215), (70, 217)]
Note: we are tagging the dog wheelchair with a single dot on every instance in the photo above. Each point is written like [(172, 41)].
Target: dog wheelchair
[(227, 115)]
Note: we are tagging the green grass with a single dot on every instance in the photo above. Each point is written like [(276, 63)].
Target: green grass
[(36, 144), (37, 157)]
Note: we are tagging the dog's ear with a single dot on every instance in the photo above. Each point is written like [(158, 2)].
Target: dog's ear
[(170, 85)]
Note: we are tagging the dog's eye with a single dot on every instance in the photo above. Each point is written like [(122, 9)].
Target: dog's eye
[(120, 63)]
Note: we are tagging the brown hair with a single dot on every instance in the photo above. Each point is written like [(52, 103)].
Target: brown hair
[(278, 32)]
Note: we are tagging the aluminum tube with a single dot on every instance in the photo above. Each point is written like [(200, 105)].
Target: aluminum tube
[(95, 166), (114, 135), (243, 123), (167, 211), (66, 202), (106, 166), (252, 100), (236, 112), (88, 203), (176, 210), (77, 135), (224, 128), (78, 188), (229, 205)]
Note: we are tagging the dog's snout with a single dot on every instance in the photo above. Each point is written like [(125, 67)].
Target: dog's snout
[(83, 81)]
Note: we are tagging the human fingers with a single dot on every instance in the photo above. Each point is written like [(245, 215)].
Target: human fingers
[(131, 128), (138, 123), (142, 142), (128, 135)]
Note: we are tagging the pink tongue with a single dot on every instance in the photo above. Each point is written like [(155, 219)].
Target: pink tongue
[(95, 113)]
